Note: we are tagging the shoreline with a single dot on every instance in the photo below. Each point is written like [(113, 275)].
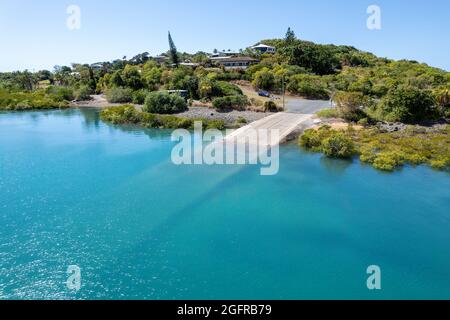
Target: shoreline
[(197, 111), (97, 101)]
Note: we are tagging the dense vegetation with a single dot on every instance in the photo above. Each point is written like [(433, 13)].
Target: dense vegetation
[(135, 83), (366, 87), (42, 99), (164, 103), (230, 102), (384, 151), (124, 81), (127, 114)]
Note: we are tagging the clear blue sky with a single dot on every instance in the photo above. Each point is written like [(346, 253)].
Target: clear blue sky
[(34, 34)]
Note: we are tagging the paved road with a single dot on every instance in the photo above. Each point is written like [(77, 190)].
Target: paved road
[(304, 106), (285, 123), (292, 104)]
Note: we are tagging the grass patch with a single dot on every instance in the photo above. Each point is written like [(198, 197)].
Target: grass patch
[(329, 113)]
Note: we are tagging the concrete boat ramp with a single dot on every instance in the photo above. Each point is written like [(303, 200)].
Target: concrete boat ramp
[(284, 126)]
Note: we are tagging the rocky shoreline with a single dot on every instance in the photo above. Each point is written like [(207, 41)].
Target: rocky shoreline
[(196, 112), (399, 127)]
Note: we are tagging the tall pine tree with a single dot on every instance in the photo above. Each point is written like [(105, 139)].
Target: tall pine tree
[(173, 52), (290, 36)]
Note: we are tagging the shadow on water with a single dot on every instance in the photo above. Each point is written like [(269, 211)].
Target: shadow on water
[(152, 134), (91, 117), (335, 166), (35, 115), (92, 120)]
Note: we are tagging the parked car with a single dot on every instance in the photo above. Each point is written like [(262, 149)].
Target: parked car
[(263, 93)]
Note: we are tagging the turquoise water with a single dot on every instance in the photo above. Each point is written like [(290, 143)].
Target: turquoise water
[(75, 191)]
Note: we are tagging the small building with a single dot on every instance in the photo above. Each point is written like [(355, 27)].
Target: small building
[(190, 64), (236, 62), (221, 54), (160, 59), (218, 58), (262, 48)]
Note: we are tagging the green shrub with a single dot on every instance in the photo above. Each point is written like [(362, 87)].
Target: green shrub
[(312, 91), (127, 114), (328, 113), (350, 105), (241, 120), (312, 139), (364, 122), (367, 155), (387, 161), (138, 97), (442, 98), (205, 88), (384, 151), (83, 93), (61, 93), (23, 105), (169, 122), (264, 79), (115, 80), (119, 95), (338, 146), (407, 104), (309, 86), (414, 159), (30, 100), (215, 124), (439, 164), (132, 78), (270, 106), (320, 59), (121, 115), (230, 102), (164, 103), (223, 89)]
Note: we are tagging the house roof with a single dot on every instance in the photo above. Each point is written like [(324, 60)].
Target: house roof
[(262, 45), (189, 64), (220, 58), (238, 59)]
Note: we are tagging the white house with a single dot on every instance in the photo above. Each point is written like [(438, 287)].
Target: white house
[(190, 64), (221, 54), (236, 62), (262, 48)]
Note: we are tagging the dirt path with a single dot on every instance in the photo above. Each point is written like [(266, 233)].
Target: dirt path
[(97, 101)]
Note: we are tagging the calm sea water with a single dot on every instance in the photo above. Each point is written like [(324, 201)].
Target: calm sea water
[(75, 191)]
